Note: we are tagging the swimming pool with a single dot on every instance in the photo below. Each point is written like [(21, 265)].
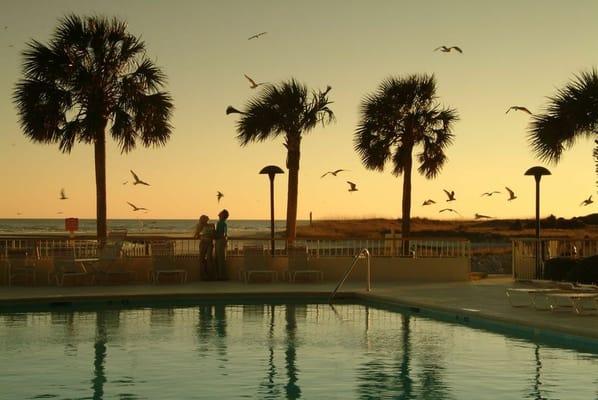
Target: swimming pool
[(276, 351)]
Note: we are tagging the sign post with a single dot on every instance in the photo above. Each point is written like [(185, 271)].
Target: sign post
[(71, 225)]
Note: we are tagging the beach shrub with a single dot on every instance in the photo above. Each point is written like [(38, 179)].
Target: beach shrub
[(557, 269), (587, 270)]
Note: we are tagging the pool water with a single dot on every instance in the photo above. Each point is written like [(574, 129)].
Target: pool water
[(288, 351)]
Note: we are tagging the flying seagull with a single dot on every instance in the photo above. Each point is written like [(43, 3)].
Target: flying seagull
[(253, 85), (449, 210), (257, 35), (125, 182), (59, 212), (446, 49), (511, 194), (451, 195), (489, 193), (137, 180), (135, 208), (219, 195), (333, 172), (587, 201), (63, 195), (481, 216), (353, 187), (519, 108), (428, 202)]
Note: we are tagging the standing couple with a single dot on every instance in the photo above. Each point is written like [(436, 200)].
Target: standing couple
[(212, 266)]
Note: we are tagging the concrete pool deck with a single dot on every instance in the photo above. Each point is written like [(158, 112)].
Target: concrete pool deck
[(483, 300)]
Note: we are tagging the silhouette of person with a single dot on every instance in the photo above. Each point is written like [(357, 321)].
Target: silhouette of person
[(221, 238), (205, 233)]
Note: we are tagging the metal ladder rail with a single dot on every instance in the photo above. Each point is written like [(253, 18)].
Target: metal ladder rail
[(346, 275)]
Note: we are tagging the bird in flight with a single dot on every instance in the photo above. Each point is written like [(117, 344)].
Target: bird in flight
[(519, 108), (587, 201), (125, 182), (428, 202), (137, 180), (253, 85), (333, 172), (511, 194), (451, 195), (353, 187), (63, 195), (257, 35), (482, 216), (489, 193), (135, 208), (219, 195), (59, 212), (446, 49), (449, 210)]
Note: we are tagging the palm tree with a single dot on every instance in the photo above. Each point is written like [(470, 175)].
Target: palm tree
[(571, 114), (400, 115), (287, 109), (93, 76)]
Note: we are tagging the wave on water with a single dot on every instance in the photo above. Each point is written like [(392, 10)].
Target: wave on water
[(133, 226)]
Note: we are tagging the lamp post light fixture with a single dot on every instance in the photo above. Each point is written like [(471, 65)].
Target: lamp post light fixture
[(537, 173), (271, 171)]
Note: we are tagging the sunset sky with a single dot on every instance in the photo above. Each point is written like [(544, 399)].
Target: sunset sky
[(515, 53)]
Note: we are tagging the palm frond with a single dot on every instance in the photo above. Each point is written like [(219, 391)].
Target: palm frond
[(570, 115)]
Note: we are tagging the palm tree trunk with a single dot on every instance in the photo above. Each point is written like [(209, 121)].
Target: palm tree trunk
[(406, 216), (100, 164), (293, 156)]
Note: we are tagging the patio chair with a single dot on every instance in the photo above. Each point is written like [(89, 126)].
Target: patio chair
[(578, 301), (298, 264), (255, 262), (66, 265), (163, 262), (109, 262), (21, 263)]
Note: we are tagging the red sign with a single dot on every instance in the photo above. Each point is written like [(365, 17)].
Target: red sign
[(71, 224)]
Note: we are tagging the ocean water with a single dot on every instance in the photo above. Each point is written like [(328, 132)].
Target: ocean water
[(239, 227)]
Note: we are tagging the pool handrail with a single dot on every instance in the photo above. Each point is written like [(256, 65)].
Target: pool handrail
[(368, 288)]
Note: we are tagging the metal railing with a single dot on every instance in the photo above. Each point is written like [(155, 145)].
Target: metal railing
[(368, 287), (188, 247), (524, 253)]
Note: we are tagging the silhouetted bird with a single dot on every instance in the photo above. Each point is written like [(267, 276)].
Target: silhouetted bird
[(333, 172), (446, 49), (125, 182), (137, 180), (353, 187), (59, 212), (63, 195), (257, 35), (135, 208), (428, 202), (587, 201), (252, 82), (511, 194), (519, 108), (219, 195), (481, 216), (449, 210), (451, 195), (489, 193)]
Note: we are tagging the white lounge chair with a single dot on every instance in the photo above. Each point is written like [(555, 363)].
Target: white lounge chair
[(255, 262), (298, 264)]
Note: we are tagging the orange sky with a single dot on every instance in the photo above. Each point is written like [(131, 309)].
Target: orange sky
[(514, 53)]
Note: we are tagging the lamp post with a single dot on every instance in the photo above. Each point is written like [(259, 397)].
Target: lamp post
[(537, 173), (271, 171)]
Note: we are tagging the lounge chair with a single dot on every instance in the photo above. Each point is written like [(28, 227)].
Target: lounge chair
[(66, 265), (255, 262), (578, 301), (21, 262), (163, 262), (298, 264)]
